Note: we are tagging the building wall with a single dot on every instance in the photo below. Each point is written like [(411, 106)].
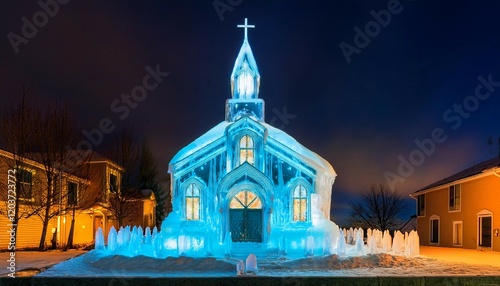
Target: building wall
[(28, 232), (476, 195), (29, 229), (144, 215), (98, 180)]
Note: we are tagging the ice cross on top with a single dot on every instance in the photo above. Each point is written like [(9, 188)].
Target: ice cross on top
[(246, 26)]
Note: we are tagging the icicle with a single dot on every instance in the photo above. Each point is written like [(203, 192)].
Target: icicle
[(359, 243), (99, 239), (280, 190), (112, 235), (147, 235), (341, 244)]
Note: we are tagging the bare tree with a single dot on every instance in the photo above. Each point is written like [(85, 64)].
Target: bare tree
[(378, 208), (16, 125), (123, 196), (54, 132)]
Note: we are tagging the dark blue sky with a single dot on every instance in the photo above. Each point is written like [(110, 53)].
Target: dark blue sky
[(417, 74)]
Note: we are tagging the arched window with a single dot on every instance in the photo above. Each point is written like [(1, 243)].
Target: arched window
[(245, 200), (193, 202), (300, 203), (247, 150)]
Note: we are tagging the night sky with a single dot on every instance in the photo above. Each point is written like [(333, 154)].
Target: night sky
[(429, 73)]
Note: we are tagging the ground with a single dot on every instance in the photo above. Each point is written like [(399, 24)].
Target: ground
[(433, 261)]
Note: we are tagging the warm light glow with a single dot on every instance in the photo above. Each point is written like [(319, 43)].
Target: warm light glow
[(300, 203), (245, 199), (247, 150), (193, 202)]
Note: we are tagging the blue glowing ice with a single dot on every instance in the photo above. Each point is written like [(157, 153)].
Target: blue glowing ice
[(130, 242)]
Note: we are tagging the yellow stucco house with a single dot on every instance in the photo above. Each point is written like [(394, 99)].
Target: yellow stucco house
[(90, 194), (462, 210)]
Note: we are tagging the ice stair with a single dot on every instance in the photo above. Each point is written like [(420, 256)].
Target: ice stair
[(242, 249)]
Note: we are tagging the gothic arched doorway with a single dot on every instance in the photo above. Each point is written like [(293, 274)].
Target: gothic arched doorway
[(245, 217)]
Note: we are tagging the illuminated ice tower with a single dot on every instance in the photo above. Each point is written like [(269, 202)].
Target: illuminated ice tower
[(245, 81), (246, 186)]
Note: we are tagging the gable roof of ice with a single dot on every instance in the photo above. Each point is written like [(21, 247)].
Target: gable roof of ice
[(278, 135), (204, 140)]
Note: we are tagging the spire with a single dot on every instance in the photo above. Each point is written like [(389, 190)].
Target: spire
[(245, 78), (245, 81)]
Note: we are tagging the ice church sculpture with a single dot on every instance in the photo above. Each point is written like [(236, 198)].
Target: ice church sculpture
[(247, 186)]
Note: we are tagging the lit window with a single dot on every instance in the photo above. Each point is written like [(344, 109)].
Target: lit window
[(245, 200), (454, 197), (72, 194), (300, 203), (246, 150), (25, 178), (193, 202)]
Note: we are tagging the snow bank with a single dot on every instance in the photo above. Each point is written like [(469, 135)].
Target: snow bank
[(96, 263)]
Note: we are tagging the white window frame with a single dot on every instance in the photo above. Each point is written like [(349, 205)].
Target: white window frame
[(454, 189), (33, 172), (434, 217), (461, 238)]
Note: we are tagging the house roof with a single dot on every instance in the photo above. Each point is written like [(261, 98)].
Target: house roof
[(72, 159), (469, 172)]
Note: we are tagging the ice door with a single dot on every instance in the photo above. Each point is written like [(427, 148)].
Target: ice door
[(245, 217)]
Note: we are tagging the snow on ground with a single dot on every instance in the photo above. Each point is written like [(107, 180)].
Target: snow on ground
[(36, 259), (451, 262), (470, 256)]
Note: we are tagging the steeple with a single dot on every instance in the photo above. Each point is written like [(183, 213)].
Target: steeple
[(245, 78), (245, 83)]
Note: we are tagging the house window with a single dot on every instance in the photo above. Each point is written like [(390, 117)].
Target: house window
[(454, 196), (113, 183), (25, 178), (457, 233), (72, 194), (193, 202), (247, 150), (434, 230), (421, 205), (300, 203)]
